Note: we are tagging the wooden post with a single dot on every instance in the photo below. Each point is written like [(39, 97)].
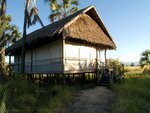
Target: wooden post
[(39, 79), (69, 79), (9, 59), (96, 71), (64, 82), (10, 66), (105, 58), (53, 78), (31, 77), (92, 76), (79, 60), (96, 79), (18, 63), (47, 79), (83, 78), (31, 64), (57, 78), (28, 78), (88, 76), (63, 53), (73, 79), (96, 59)]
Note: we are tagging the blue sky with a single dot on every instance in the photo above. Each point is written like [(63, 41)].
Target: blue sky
[(127, 21)]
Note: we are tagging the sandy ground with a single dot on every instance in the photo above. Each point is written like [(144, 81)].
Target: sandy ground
[(97, 100)]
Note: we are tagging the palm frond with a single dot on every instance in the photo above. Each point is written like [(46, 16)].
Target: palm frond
[(73, 10), (66, 4), (55, 16), (75, 2), (36, 16), (55, 6), (62, 9), (28, 18)]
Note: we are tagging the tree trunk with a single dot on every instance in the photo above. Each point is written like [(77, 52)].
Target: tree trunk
[(23, 44), (2, 62)]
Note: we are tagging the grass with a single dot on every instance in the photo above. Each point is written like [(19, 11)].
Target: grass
[(27, 97), (134, 95), (133, 69)]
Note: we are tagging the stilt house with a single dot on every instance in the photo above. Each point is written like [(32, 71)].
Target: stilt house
[(70, 45)]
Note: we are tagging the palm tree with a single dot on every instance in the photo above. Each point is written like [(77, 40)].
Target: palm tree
[(30, 17), (145, 58), (12, 34), (3, 24), (5, 93), (62, 9), (9, 35)]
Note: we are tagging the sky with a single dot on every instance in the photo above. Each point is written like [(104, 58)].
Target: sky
[(127, 21)]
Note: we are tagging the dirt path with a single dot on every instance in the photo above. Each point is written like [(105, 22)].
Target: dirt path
[(97, 100)]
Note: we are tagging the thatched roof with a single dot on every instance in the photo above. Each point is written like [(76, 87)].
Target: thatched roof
[(84, 25)]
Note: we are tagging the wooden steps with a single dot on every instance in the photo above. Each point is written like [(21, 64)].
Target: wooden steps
[(105, 81)]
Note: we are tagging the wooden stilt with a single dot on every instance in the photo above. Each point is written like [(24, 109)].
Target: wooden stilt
[(83, 78), (64, 81), (73, 79), (39, 79), (35, 78), (96, 77), (69, 79), (88, 76), (47, 78), (92, 76), (55, 79), (42, 76), (10, 67), (31, 77), (105, 59), (50, 78), (28, 77)]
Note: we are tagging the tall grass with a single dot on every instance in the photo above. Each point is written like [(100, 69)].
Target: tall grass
[(5, 96), (26, 97), (134, 95)]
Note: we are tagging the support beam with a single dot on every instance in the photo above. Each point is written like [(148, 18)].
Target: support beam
[(64, 80), (47, 78), (40, 79), (10, 67), (9, 59), (69, 79), (31, 65), (63, 54), (73, 79), (105, 58), (96, 59)]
